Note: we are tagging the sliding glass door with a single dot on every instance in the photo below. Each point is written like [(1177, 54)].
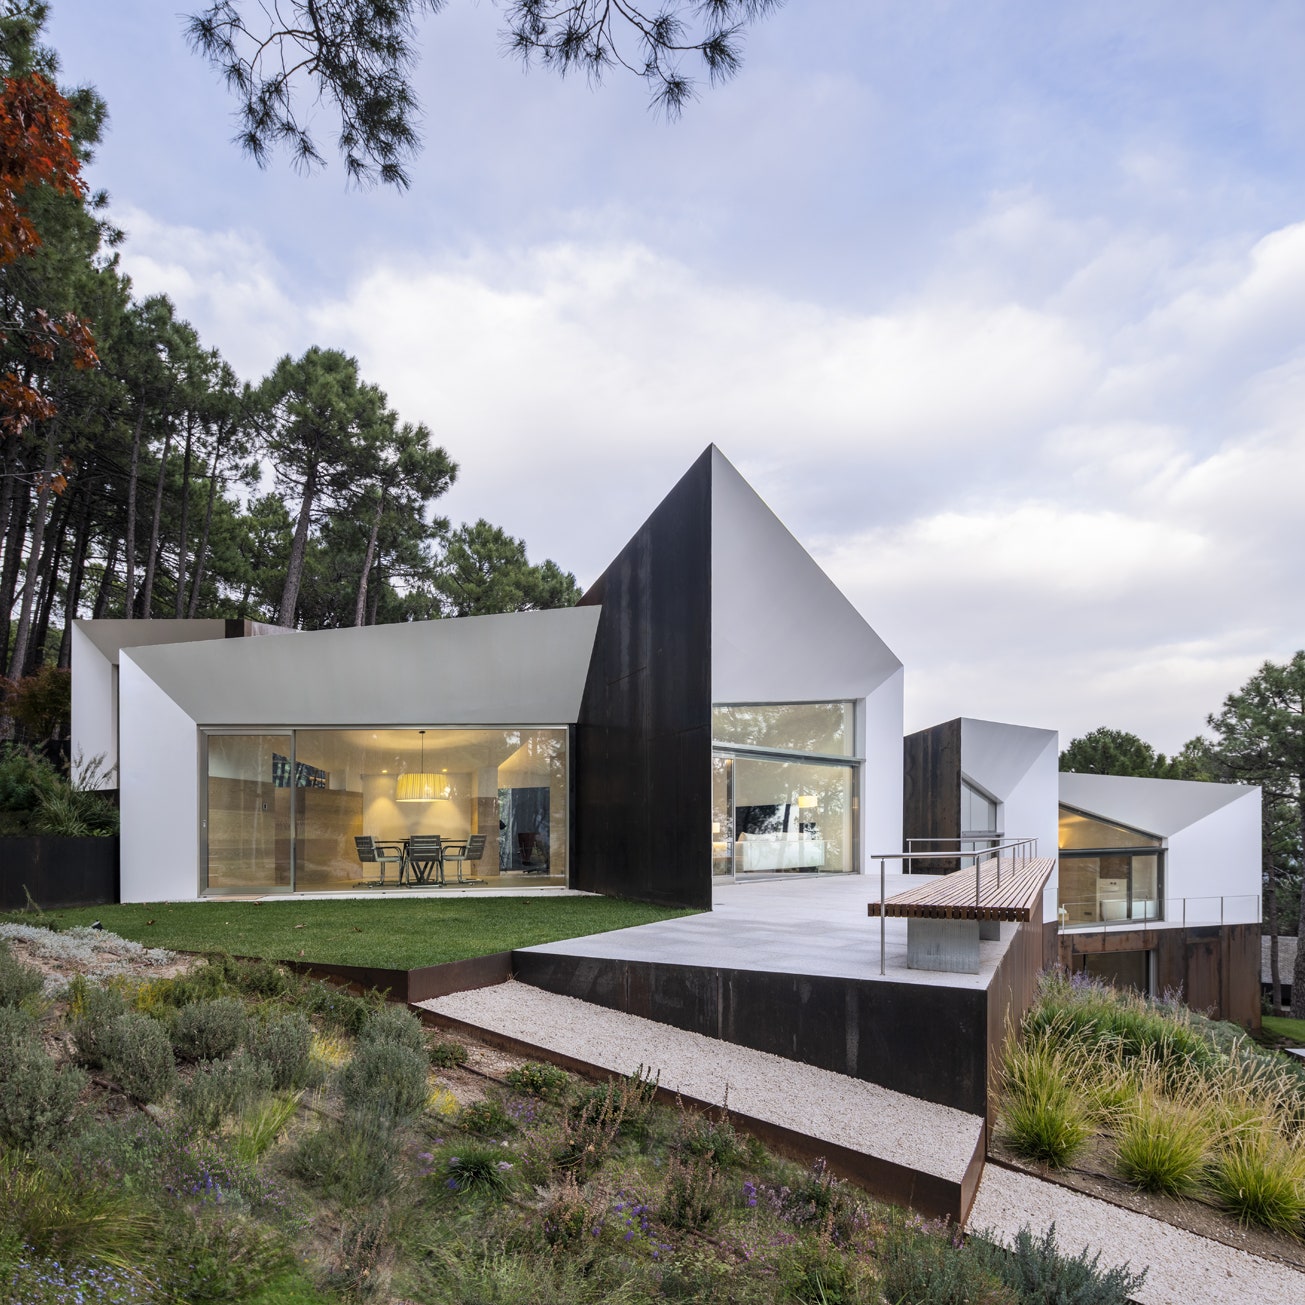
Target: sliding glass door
[(246, 822)]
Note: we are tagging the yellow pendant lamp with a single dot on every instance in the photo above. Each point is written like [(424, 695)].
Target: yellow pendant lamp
[(418, 785)]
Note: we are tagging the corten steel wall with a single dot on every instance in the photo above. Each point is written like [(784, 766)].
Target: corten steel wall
[(642, 757), (58, 871), (1010, 994), (931, 797), (929, 1042), (1216, 967)]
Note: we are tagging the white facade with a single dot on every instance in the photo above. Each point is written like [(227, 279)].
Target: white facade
[(782, 631), (1210, 833), (1017, 765)]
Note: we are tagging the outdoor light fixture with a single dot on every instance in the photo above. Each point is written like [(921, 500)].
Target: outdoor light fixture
[(418, 786)]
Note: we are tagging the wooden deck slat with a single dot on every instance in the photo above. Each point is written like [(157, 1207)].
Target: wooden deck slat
[(953, 896)]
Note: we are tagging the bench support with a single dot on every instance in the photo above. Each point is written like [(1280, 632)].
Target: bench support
[(951, 946)]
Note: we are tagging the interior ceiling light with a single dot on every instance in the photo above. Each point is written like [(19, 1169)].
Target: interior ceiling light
[(418, 786)]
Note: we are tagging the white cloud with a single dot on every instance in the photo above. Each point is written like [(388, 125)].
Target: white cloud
[(1069, 499)]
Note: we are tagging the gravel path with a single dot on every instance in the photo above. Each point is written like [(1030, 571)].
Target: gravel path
[(1182, 1268), (831, 1107)]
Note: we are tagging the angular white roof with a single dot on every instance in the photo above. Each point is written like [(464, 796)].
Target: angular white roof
[(996, 756), (521, 668), (1161, 807)]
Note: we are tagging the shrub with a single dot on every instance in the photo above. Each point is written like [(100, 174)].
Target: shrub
[(361, 1266), (37, 1099), (448, 1054), (926, 1268), (385, 1080), (91, 1010), (535, 1079), (484, 1169), (485, 1118), (61, 1213), (209, 1030), (354, 1161), (24, 776), (396, 1025), (813, 1270), (138, 1056), (630, 1097), (1039, 1271), (263, 1125), (19, 983), (1042, 1115), (217, 1258), (1161, 1147), (47, 1282), (586, 1137), (691, 1195), (284, 1045), (219, 1089), (713, 1137), (1261, 1179), (341, 1009)]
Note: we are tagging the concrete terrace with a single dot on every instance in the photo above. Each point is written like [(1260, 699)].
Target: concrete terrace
[(798, 924)]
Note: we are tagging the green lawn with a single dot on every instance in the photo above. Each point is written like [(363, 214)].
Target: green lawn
[(1292, 1030), (395, 934)]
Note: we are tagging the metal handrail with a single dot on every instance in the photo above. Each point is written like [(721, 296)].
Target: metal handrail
[(1027, 851)]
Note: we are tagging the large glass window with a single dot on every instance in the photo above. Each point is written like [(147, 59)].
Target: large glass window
[(1109, 873), (329, 786), (823, 728), (782, 802)]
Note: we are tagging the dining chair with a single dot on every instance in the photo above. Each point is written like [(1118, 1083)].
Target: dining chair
[(426, 858), (370, 852), (460, 853)]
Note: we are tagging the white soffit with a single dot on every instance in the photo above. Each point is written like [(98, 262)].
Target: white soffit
[(109, 636), (1162, 807), (996, 756), (781, 630), (522, 668)]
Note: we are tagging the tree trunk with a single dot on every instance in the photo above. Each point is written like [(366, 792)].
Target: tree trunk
[(201, 552), (18, 657), (360, 608), (76, 575), (179, 607), (133, 479), (294, 571), (12, 507), (58, 529), (147, 591), (106, 581)]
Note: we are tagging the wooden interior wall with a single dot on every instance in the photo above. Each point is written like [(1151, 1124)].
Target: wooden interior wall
[(931, 793), (642, 761)]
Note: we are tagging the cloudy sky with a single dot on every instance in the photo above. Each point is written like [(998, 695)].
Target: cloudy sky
[(1000, 305)]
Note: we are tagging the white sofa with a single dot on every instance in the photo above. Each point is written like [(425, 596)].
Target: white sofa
[(777, 852)]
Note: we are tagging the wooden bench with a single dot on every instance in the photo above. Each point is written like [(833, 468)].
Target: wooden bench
[(947, 917)]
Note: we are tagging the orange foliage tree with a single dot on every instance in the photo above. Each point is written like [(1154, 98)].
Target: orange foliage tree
[(36, 148)]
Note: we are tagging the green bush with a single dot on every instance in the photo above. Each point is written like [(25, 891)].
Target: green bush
[(24, 776), (485, 1118), (1040, 1272), (927, 1268), (219, 1089), (361, 1266), (448, 1054), (1261, 1179), (713, 1137), (355, 1161), (67, 1214), (535, 1079), (630, 1097), (36, 1099), (34, 1281), (396, 1025), (692, 1195), (1161, 1147), (340, 1009), (284, 1044), (217, 1258), (484, 1169), (138, 1056), (812, 1270), (209, 1030), (1043, 1118), (19, 983), (385, 1080), (91, 1010), (263, 1125)]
